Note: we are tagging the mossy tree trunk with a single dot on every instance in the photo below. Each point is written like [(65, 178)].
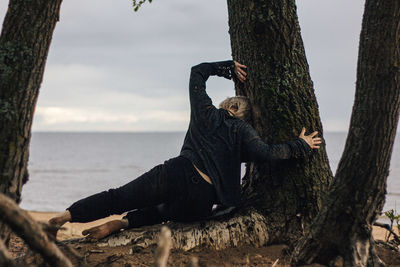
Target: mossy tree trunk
[(342, 230), (265, 36), (24, 44)]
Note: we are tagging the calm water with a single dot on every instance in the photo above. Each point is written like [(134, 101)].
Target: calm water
[(65, 167)]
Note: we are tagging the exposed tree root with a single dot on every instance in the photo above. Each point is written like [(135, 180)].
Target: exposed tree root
[(356, 251)]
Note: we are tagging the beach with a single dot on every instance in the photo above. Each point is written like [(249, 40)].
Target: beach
[(94, 255)]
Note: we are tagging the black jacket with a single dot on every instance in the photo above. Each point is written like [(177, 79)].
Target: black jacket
[(218, 143)]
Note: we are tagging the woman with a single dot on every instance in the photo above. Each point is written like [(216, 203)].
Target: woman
[(206, 172)]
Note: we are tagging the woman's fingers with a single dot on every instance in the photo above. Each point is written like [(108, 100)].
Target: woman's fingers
[(311, 140), (303, 131), (242, 72), (238, 64), (240, 76)]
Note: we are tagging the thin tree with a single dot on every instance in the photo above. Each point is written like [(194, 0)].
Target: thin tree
[(342, 230)]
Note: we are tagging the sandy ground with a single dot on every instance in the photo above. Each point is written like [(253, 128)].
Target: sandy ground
[(89, 254)]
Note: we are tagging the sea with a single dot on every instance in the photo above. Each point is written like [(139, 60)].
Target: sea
[(65, 167)]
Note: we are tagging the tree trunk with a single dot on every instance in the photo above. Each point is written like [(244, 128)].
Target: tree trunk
[(24, 43), (265, 36), (343, 227)]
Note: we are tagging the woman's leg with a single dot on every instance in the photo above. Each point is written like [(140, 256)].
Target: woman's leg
[(194, 203), (149, 189), (190, 198)]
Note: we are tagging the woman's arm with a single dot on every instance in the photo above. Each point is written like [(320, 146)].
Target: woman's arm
[(258, 151), (200, 102)]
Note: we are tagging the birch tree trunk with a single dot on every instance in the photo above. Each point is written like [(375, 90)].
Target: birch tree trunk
[(343, 227)]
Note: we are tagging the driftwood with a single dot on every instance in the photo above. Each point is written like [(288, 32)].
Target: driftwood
[(193, 262), (29, 230), (244, 228), (164, 247), (390, 230)]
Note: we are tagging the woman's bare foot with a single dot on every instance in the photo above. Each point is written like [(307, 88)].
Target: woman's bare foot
[(58, 221), (101, 231)]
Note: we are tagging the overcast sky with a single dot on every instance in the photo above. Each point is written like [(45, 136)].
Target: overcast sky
[(111, 69)]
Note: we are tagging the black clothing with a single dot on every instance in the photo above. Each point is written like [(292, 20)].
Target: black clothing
[(215, 142), (170, 191), (218, 143)]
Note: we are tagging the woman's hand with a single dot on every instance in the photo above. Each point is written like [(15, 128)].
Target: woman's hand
[(311, 140), (240, 73)]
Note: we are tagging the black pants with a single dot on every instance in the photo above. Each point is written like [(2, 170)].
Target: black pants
[(170, 191)]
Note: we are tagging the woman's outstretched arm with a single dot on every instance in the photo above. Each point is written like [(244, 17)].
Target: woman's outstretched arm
[(200, 102), (257, 150)]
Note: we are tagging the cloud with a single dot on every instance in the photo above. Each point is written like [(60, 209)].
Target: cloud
[(89, 119), (105, 58), (54, 115)]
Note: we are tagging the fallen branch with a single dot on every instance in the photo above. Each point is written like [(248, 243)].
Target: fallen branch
[(387, 227), (163, 248), (29, 230), (193, 262)]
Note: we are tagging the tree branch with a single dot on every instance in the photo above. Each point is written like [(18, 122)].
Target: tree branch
[(23, 224), (164, 247)]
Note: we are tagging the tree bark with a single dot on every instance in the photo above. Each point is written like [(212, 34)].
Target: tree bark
[(343, 227), (24, 44), (245, 228), (23, 224), (265, 36)]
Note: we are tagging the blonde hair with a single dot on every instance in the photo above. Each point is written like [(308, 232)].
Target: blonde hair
[(239, 106)]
